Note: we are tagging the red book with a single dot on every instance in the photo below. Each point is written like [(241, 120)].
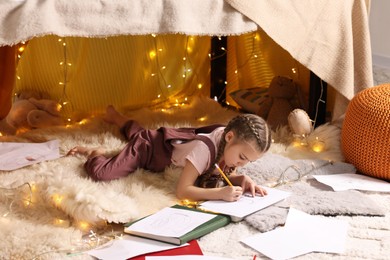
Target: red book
[(192, 249)]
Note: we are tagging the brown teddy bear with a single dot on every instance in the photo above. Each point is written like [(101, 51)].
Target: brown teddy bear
[(283, 97), (29, 111)]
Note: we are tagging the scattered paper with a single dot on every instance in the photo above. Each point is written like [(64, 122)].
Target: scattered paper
[(17, 155), (301, 234), (353, 181), (187, 257), (129, 246), (246, 205)]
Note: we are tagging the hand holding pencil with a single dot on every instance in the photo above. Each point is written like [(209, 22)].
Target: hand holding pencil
[(252, 187)]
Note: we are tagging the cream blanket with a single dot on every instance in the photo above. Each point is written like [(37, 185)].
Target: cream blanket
[(329, 37)]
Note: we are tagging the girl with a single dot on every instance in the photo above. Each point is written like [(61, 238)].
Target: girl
[(198, 150)]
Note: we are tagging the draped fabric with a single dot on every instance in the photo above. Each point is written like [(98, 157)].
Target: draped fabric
[(330, 38)]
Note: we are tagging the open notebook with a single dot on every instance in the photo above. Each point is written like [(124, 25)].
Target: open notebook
[(246, 205)]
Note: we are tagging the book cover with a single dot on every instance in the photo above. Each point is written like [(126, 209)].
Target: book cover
[(176, 228), (192, 249)]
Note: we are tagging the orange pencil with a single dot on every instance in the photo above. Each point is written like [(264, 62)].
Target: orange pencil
[(223, 175)]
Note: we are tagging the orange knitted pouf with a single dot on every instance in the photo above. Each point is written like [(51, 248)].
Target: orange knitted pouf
[(365, 135)]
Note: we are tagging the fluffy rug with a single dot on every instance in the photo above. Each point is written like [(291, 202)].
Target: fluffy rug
[(52, 209)]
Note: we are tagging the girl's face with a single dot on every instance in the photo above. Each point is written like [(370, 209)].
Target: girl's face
[(239, 153)]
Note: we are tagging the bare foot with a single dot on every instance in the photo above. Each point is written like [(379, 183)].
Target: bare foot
[(112, 116), (89, 152)]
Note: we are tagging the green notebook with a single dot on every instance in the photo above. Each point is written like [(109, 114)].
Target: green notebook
[(154, 228)]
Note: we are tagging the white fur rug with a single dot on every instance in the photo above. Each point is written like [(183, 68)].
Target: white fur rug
[(70, 213)]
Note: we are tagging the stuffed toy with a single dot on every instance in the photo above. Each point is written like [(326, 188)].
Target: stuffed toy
[(28, 112), (283, 97), (299, 122)]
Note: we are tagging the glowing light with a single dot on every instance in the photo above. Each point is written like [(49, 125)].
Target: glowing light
[(168, 86), (236, 71), (18, 77), (202, 119), (57, 199), (152, 54), (294, 70), (83, 225), (153, 35), (200, 86), (26, 203), (33, 187), (318, 146), (21, 49), (83, 122), (1, 134)]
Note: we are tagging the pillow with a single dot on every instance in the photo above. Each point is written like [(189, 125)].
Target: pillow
[(250, 99)]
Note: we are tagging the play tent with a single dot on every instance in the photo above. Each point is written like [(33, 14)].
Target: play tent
[(144, 53)]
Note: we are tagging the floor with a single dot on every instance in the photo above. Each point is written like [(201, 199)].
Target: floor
[(381, 75)]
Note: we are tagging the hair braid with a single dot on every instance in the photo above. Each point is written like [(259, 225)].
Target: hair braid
[(208, 179), (247, 127)]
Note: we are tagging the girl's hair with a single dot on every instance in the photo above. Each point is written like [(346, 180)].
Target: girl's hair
[(247, 128)]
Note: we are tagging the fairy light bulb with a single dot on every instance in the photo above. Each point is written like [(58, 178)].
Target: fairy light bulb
[(83, 225), (152, 54), (57, 199), (202, 119), (318, 146)]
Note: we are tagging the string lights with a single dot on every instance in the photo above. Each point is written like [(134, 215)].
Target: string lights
[(26, 197), (65, 105)]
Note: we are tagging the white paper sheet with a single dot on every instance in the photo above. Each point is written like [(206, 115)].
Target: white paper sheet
[(171, 222), (129, 246), (350, 181), (301, 234), (246, 205), (17, 155)]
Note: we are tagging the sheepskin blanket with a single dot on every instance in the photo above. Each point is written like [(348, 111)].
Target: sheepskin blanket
[(52, 209)]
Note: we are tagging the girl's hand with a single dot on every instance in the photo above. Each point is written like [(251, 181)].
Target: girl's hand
[(248, 184), (231, 193)]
